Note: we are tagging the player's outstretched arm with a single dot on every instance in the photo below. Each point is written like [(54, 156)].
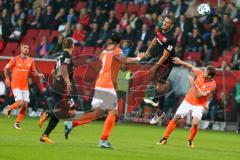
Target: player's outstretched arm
[(121, 58), (152, 44), (176, 60)]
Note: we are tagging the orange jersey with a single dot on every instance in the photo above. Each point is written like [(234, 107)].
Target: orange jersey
[(21, 67), (202, 86), (110, 68)]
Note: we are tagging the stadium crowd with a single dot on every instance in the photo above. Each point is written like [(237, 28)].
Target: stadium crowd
[(92, 22)]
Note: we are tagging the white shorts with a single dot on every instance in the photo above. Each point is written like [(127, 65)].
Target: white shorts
[(185, 108), (21, 95), (105, 98)]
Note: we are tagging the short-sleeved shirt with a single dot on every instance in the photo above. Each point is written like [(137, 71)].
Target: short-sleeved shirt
[(21, 67), (63, 58), (205, 87), (110, 67)]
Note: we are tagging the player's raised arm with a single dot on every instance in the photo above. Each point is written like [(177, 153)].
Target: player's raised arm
[(123, 59), (153, 43), (176, 60)]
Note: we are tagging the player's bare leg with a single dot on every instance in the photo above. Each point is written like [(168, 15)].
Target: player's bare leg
[(86, 118), (108, 126), (193, 131), (14, 106), (170, 127)]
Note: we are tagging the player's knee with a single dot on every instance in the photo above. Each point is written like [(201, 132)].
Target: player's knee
[(195, 122), (177, 117), (20, 103)]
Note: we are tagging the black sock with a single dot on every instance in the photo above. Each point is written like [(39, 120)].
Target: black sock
[(51, 125)]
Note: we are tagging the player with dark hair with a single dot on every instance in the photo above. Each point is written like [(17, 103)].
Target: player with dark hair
[(21, 66), (165, 43), (105, 97), (195, 100), (62, 78)]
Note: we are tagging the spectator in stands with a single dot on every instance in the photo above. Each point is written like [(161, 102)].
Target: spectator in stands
[(71, 17), (98, 17), (216, 24), (56, 47), (3, 29), (126, 48), (2, 87), (135, 21), (18, 30), (142, 37), (182, 23), (235, 63), (160, 21), (227, 30), (195, 42), (180, 8), (17, 14), (196, 24), (92, 35), (67, 31), (225, 65), (6, 17), (192, 10), (153, 7), (211, 45), (124, 21), (167, 8), (34, 17), (43, 48), (2, 44), (46, 19), (79, 34), (112, 19), (180, 41), (129, 34), (232, 10), (104, 34), (60, 18), (84, 18), (117, 29)]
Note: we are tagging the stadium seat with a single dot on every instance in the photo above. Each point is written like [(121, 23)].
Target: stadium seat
[(10, 49), (88, 50), (44, 32), (133, 8), (54, 34), (30, 36), (79, 6), (77, 51), (143, 10), (120, 8)]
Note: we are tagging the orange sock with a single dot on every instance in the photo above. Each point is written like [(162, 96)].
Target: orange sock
[(108, 126), (79, 123), (193, 132), (170, 127), (21, 115), (14, 106)]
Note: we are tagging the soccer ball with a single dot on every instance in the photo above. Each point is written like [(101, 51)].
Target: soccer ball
[(204, 9)]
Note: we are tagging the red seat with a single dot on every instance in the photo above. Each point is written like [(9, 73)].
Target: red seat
[(79, 6), (30, 36), (53, 35), (44, 32), (10, 49), (143, 9), (133, 8), (120, 8), (88, 50), (77, 50)]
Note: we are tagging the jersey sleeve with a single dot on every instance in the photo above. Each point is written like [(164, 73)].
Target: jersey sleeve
[(197, 71), (33, 67), (11, 63), (170, 45)]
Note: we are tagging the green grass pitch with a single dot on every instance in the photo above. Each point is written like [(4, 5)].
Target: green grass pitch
[(131, 142)]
